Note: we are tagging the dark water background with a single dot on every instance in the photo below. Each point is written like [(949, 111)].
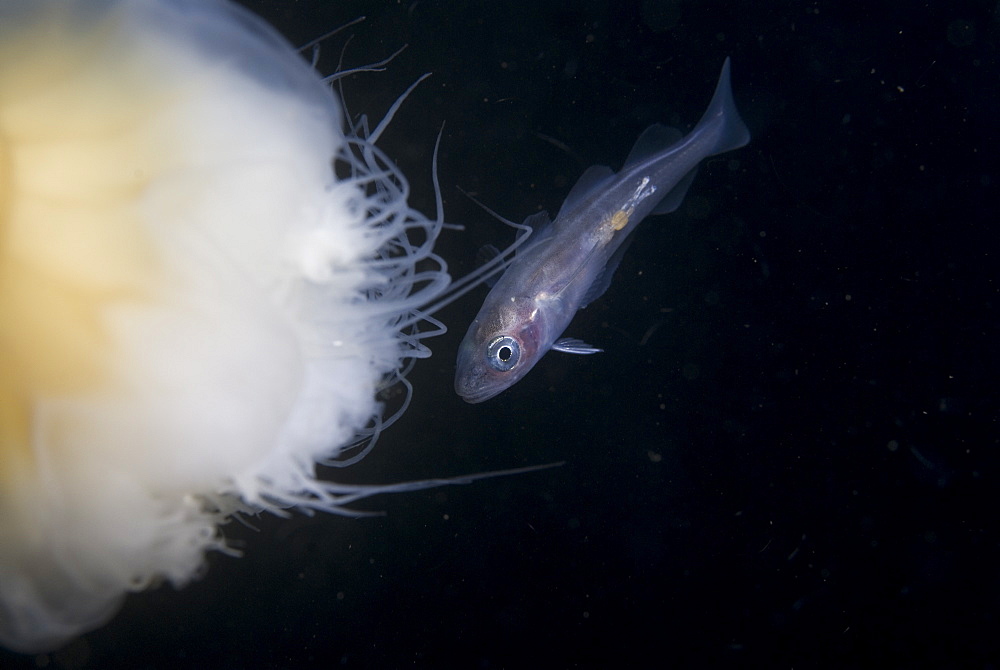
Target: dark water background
[(787, 456)]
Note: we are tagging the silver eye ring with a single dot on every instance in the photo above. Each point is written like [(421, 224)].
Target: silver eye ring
[(503, 353)]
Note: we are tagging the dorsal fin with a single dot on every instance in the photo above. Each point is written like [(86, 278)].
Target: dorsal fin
[(539, 222), (487, 253), (653, 141), (588, 182)]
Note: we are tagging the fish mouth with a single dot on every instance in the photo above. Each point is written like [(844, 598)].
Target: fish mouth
[(475, 399), (472, 389), (473, 395)]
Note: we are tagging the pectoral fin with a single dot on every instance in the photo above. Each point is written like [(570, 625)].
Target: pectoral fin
[(571, 345), (603, 279)]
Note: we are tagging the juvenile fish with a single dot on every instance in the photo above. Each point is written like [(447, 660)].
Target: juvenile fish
[(569, 262)]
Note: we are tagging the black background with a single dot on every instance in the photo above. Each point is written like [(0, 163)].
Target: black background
[(787, 456)]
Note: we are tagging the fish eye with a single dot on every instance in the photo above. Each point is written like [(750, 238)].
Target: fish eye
[(503, 353)]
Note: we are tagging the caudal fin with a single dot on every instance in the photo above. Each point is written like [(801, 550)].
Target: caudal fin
[(731, 132)]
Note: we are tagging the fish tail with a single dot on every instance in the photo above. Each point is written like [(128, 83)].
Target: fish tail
[(731, 132)]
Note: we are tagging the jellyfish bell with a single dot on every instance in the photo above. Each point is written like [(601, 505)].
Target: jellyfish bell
[(195, 307)]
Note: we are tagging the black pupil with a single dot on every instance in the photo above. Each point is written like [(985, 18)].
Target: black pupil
[(504, 353)]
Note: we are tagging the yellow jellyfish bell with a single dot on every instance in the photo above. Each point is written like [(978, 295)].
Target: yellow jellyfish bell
[(194, 308)]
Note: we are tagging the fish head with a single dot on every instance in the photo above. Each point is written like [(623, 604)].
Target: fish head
[(500, 347)]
